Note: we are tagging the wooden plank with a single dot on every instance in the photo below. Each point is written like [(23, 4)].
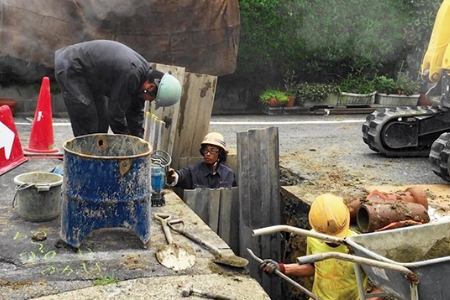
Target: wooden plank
[(169, 115), (232, 163), (206, 95), (195, 114), (259, 199), (213, 208), (187, 122), (343, 111)]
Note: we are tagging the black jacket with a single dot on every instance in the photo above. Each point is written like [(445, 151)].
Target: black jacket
[(199, 175), (115, 71)]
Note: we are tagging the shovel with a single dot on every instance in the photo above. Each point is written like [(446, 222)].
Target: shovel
[(173, 256), (229, 259)]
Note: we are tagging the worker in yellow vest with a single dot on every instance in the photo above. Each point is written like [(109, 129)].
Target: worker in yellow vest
[(334, 279)]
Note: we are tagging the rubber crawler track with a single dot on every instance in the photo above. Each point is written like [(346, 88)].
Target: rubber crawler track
[(439, 154), (376, 121)]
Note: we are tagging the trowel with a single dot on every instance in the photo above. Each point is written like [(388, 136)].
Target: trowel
[(229, 259), (173, 256)]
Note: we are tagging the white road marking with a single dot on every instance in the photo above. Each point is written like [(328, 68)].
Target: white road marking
[(283, 122), (54, 124), (247, 122)]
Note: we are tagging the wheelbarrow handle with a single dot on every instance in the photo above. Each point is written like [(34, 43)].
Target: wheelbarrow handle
[(283, 276), (295, 230), (310, 259), (179, 226)]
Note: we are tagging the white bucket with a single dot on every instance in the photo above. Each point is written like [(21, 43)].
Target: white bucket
[(38, 196)]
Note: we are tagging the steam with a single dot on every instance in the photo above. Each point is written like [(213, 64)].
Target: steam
[(360, 27)]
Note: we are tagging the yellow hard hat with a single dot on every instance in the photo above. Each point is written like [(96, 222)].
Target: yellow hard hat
[(216, 139), (329, 215)]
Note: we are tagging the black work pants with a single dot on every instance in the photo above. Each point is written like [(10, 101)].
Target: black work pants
[(87, 110)]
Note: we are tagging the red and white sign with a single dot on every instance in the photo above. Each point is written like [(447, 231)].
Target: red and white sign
[(6, 139), (11, 153)]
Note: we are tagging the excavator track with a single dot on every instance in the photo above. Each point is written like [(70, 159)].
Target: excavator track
[(403, 131), (439, 154)]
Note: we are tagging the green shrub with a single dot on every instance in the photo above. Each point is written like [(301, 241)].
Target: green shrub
[(406, 85), (385, 85), (316, 92), (403, 85), (290, 83), (356, 85)]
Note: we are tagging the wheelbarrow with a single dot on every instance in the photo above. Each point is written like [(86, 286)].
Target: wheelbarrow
[(423, 249), (409, 263)]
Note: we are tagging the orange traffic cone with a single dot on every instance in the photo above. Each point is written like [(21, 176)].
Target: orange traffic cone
[(41, 138), (11, 154)]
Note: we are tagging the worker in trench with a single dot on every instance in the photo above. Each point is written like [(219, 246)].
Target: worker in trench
[(208, 173), (105, 84), (334, 279)]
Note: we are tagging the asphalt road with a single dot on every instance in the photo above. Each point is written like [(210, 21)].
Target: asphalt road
[(322, 140), (332, 139)]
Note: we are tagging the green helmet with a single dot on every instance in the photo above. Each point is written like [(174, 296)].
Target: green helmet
[(169, 92)]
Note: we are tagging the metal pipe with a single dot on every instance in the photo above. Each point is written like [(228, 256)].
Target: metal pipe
[(310, 259), (373, 216)]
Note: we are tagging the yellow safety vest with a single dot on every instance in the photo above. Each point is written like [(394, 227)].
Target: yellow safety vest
[(334, 279)]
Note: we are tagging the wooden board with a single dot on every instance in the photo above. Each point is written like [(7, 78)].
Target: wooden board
[(195, 114), (169, 115)]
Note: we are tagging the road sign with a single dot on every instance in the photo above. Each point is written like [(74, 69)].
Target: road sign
[(11, 153)]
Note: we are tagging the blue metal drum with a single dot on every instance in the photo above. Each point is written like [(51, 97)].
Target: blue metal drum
[(106, 184)]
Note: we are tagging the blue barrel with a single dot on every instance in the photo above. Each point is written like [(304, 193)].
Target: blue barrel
[(106, 184)]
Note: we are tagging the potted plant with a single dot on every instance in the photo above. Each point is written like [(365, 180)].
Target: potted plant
[(273, 98), (290, 87), (317, 94), (356, 91), (400, 92)]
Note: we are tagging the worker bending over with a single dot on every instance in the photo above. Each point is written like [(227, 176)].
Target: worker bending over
[(105, 84)]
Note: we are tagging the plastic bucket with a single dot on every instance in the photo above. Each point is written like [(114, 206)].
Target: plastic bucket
[(38, 196)]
